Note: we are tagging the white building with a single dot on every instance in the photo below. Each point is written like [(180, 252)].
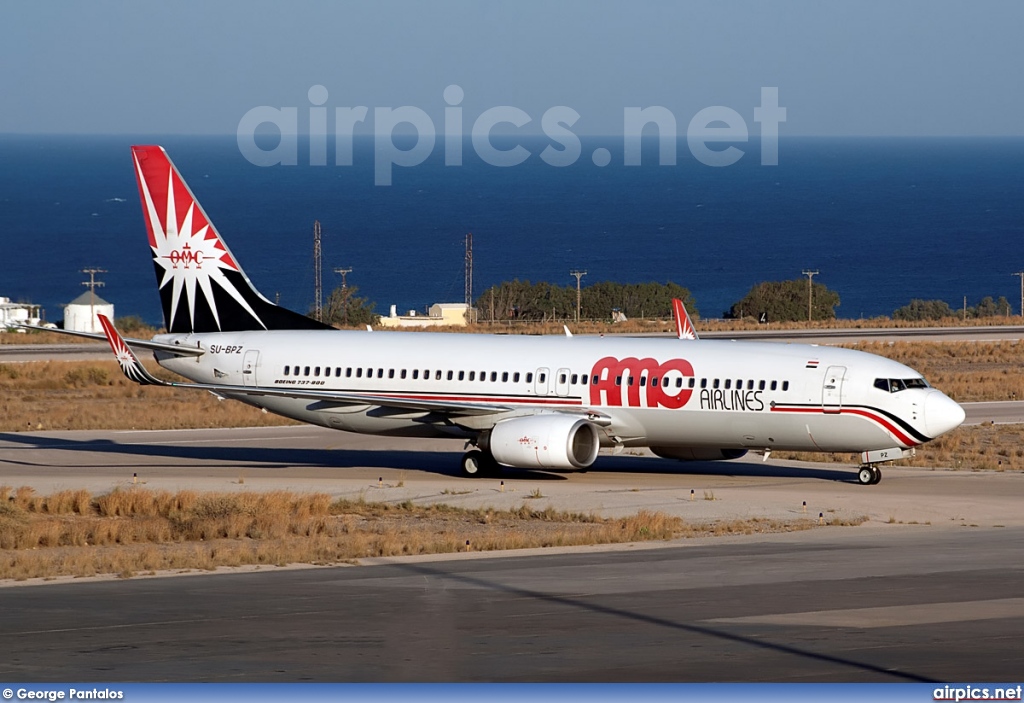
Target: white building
[(439, 315), (14, 313), (81, 313)]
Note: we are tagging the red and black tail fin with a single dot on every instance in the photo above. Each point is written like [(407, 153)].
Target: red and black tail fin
[(202, 287), (684, 327)]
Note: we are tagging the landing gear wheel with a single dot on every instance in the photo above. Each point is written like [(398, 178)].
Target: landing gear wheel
[(877, 475), (476, 463), (866, 475)]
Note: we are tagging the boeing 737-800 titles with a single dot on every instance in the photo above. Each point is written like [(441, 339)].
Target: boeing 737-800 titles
[(519, 401)]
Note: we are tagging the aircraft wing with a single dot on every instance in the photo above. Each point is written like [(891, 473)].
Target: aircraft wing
[(136, 372), (141, 343)]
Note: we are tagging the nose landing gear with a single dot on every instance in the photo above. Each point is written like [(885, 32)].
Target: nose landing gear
[(869, 475)]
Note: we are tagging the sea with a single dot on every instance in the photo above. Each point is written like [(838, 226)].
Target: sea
[(883, 220)]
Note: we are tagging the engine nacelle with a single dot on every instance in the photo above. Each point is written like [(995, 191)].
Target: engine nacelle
[(548, 441), (698, 453)]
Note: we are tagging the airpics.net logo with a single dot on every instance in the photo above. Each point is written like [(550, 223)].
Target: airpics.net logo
[(711, 135)]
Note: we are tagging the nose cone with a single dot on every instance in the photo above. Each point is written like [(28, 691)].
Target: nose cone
[(941, 414)]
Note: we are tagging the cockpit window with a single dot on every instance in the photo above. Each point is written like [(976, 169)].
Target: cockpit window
[(895, 385)]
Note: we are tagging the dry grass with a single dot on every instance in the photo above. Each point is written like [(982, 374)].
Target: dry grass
[(137, 530), (984, 447), (966, 371), (85, 395)]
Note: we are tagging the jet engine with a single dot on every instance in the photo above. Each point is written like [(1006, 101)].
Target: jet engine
[(548, 441), (698, 453)]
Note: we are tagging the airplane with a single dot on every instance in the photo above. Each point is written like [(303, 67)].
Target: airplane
[(549, 402)]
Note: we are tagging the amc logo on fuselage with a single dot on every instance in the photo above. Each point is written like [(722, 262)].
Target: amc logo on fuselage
[(641, 383)]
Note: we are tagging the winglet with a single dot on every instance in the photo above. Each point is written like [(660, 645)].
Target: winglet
[(130, 364), (684, 327)]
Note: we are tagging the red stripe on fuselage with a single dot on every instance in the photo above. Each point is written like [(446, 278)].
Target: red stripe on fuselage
[(880, 419)]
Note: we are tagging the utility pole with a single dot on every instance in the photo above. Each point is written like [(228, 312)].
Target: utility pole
[(578, 275), (469, 277), (344, 293), (93, 284), (1021, 274), (318, 291), (810, 276)]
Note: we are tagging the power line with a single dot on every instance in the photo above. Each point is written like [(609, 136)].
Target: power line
[(344, 292), (469, 277), (93, 284), (318, 290), (578, 275), (1021, 274), (810, 275)]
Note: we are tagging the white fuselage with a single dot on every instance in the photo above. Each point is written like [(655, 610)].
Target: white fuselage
[(646, 391)]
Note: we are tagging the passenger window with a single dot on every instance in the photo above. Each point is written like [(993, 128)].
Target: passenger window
[(515, 377), (703, 383), (462, 375), (380, 373), (693, 382), (307, 371), (750, 385), (575, 378), (785, 385), (451, 375), (391, 373), (630, 380), (715, 385), (286, 370), (543, 378), (437, 375), (415, 374), (596, 379), (504, 377), (618, 380), (403, 373), (359, 372), (472, 375), (760, 386), (728, 383), (494, 376), (529, 377), (775, 384), (327, 371), (561, 378)]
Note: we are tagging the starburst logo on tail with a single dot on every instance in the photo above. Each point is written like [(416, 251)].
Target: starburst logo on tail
[(187, 247)]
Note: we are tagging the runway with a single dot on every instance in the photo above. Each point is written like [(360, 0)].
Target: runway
[(928, 588), (914, 604)]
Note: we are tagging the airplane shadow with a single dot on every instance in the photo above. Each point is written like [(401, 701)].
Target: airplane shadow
[(235, 457)]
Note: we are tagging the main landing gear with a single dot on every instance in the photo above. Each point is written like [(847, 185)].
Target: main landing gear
[(869, 475), (477, 463)]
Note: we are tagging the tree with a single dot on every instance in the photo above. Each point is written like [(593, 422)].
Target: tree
[(919, 309), (344, 307), (990, 308), (786, 301), (522, 300)]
